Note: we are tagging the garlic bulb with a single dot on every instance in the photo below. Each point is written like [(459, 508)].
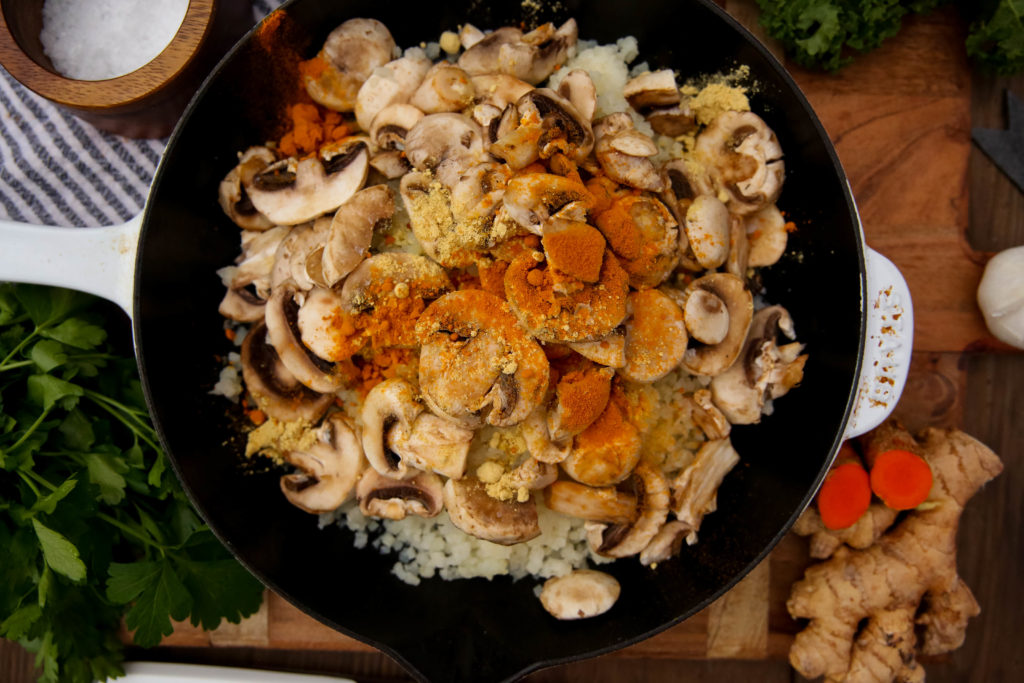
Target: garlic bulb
[(1001, 296)]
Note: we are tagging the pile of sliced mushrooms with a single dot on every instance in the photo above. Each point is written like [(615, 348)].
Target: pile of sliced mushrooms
[(498, 174)]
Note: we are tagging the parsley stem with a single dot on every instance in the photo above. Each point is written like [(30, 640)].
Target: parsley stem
[(145, 538), (31, 335), (15, 364), (28, 480), (139, 428), (32, 428), (40, 479)]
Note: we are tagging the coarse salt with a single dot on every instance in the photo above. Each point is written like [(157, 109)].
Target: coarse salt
[(93, 40)]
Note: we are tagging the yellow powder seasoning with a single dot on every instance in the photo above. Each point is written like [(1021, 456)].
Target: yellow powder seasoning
[(273, 438), (709, 96)]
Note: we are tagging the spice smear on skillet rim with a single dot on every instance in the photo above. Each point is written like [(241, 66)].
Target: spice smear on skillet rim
[(544, 339)]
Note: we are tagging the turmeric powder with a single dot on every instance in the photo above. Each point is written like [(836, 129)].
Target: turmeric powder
[(311, 127)]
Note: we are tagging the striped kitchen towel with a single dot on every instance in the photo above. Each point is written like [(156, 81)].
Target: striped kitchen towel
[(56, 169)]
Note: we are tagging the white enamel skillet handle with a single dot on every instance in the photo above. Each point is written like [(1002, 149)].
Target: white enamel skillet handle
[(888, 343), (99, 261)]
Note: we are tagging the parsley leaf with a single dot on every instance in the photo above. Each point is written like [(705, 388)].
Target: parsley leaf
[(60, 554), (163, 597)]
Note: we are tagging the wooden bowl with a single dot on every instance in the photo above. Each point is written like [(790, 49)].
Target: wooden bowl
[(144, 103)]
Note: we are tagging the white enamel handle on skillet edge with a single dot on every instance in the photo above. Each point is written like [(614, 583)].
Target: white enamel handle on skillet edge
[(101, 261)]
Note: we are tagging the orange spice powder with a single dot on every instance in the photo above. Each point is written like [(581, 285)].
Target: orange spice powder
[(583, 396), (311, 126), (618, 227), (576, 249)]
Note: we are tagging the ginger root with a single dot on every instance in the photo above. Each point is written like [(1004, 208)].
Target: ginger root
[(864, 532), (864, 604)]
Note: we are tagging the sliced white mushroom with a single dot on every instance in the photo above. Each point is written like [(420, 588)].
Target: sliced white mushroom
[(389, 498), (234, 199), (706, 316), (477, 364), (706, 415), (250, 281), (694, 489), (579, 89), (581, 594), (673, 121), (651, 490), (610, 351), (665, 544), (446, 144), (391, 164), (499, 90), (275, 390), (480, 515), (241, 306), (652, 89), (329, 469), (685, 180), (282, 315), (741, 391), (655, 336), (542, 123), (605, 504), (293, 191), (484, 114), (432, 443), (531, 199), (351, 231), (470, 35), (531, 57), (570, 412), (317, 320), (623, 153), (350, 54), (393, 83), (606, 452), (739, 247), (538, 439), (299, 256), (388, 413), (712, 359), (767, 235), (445, 88), (532, 475), (422, 277), (744, 158), (392, 125), (707, 228)]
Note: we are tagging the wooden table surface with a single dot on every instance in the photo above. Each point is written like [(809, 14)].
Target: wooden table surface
[(916, 89)]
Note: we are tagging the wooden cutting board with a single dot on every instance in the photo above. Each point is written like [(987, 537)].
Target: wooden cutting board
[(900, 120)]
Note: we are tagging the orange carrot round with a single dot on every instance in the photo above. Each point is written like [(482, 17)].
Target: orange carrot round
[(901, 479), (846, 492)]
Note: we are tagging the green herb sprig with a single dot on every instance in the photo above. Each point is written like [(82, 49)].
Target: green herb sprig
[(93, 527)]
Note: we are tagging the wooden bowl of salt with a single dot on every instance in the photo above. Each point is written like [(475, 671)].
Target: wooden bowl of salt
[(144, 102)]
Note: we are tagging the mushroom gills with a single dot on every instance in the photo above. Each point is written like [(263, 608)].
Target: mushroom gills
[(382, 496)]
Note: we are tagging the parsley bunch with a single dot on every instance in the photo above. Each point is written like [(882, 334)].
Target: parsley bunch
[(92, 526), (827, 33)]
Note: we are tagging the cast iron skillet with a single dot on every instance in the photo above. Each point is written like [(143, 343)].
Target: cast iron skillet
[(476, 629)]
